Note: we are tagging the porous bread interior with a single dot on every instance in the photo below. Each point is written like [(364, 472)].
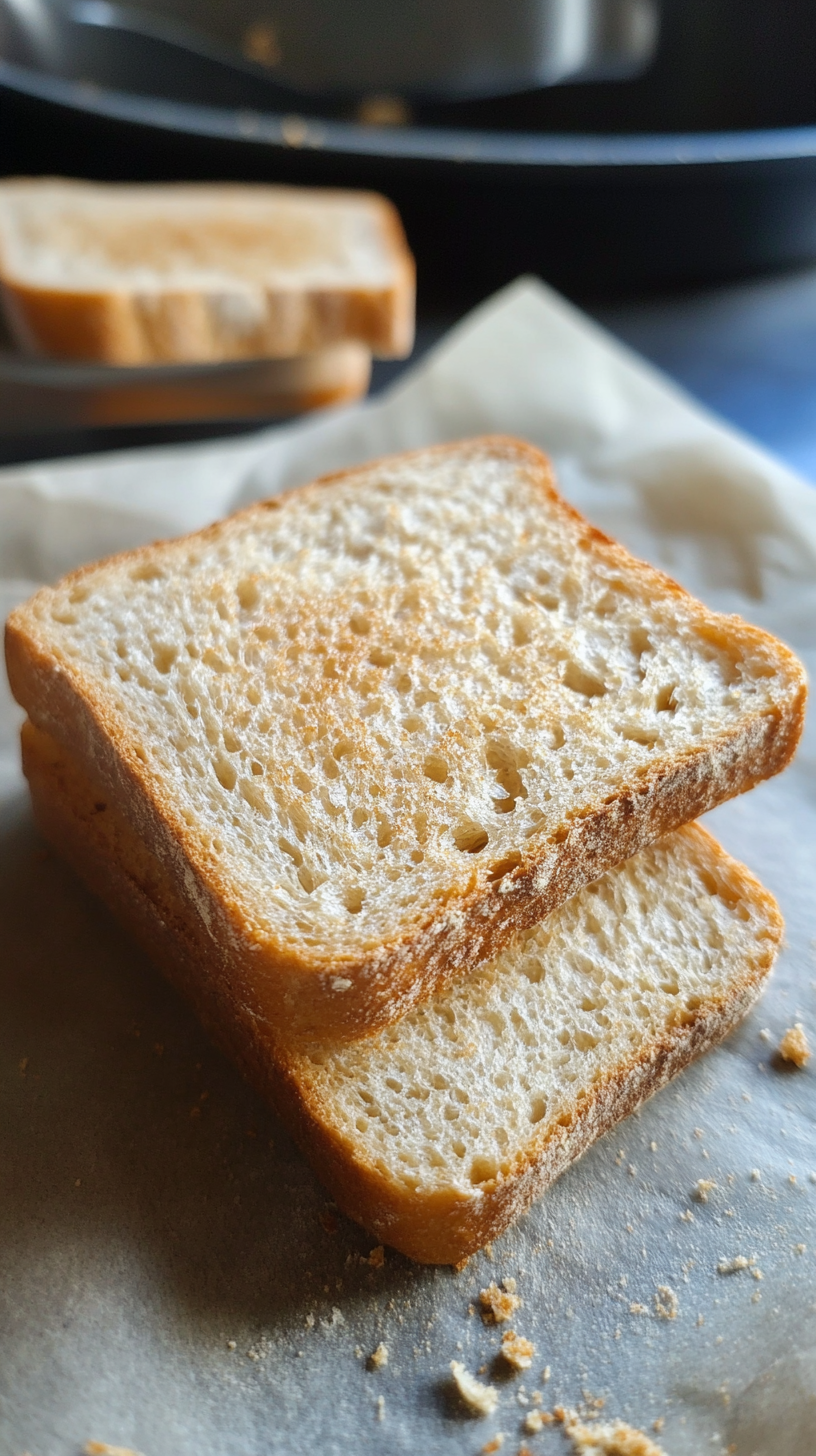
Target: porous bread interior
[(79, 236), (464, 1088), (395, 687)]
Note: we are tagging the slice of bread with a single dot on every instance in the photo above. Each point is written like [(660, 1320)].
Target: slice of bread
[(376, 728), (439, 1131), (125, 274), (260, 388)]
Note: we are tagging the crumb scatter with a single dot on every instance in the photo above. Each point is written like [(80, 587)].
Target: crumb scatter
[(480, 1399), (499, 1304), (794, 1046), (517, 1351)]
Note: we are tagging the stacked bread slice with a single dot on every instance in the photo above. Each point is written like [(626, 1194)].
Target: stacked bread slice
[(313, 279), (393, 777)]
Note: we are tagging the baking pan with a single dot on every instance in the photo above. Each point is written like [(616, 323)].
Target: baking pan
[(703, 168)]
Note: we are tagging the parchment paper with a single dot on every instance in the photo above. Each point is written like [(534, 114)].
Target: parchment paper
[(171, 1277)]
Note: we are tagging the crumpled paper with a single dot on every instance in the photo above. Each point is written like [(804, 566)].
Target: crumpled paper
[(173, 1279)]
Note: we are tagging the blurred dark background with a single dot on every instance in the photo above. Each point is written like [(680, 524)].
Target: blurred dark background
[(658, 192)]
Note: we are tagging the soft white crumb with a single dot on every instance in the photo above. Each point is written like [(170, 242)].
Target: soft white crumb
[(702, 1188), (517, 1351), (732, 1266), (481, 1399), (498, 1304), (666, 1302)]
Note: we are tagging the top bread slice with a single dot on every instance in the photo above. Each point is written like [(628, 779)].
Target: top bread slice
[(377, 727), (126, 274)]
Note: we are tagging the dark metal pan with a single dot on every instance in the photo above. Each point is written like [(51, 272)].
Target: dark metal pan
[(705, 167)]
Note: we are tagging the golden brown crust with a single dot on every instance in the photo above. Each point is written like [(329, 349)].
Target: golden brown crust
[(439, 1227), (469, 927), (111, 325)]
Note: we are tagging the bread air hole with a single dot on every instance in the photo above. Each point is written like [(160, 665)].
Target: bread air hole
[(248, 593), (309, 881), (505, 866), (506, 760), (353, 899), (225, 773), (665, 701), (579, 680), (483, 1169), (435, 768), (633, 733), (147, 571), (470, 837)]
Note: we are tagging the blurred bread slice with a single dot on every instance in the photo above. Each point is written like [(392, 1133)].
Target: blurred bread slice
[(257, 388), (192, 273), (439, 1131)]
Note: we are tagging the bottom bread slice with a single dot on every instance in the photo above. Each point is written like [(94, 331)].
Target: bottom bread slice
[(440, 1130)]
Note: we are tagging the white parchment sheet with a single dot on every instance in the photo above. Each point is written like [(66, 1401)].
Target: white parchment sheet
[(171, 1282)]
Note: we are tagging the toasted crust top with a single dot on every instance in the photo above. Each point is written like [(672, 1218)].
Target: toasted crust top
[(390, 719)]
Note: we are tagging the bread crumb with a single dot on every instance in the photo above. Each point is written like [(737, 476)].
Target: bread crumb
[(498, 1304), (794, 1046), (480, 1399), (377, 1257), (732, 1266), (755, 1175), (800, 1248), (616, 1439), (702, 1188), (461, 1264), (232, 1344), (495, 1445), (101, 1448), (666, 1302), (23, 1065), (536, 1421), (378, 1358), (658, 1424), (545, 1374), (517, 1351), (380, 1407), (638, 1309), (687, 1216)]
